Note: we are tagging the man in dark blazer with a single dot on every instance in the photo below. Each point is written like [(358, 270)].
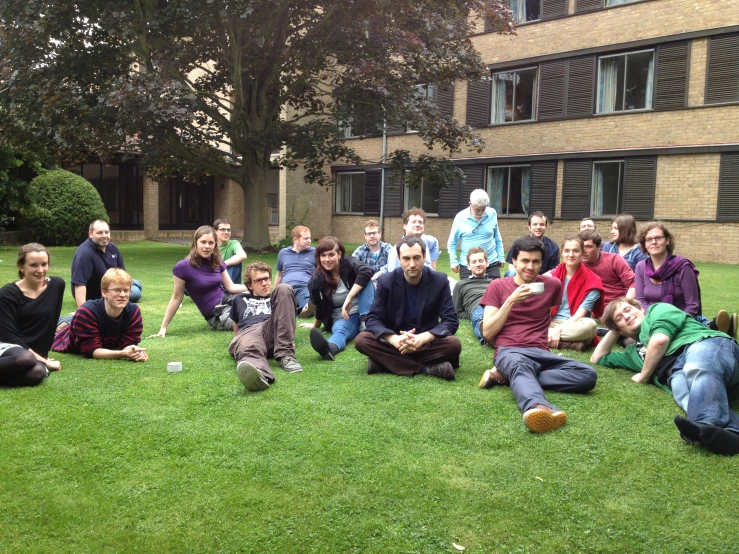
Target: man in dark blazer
[(411, 325)]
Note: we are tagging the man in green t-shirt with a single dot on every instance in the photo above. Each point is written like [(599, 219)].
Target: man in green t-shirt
[(231, 251), (699, 365)]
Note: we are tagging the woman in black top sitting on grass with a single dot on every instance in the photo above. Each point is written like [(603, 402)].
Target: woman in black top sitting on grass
[(29, 311)]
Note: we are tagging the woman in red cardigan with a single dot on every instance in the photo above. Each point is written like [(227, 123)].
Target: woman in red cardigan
[(582, 296)]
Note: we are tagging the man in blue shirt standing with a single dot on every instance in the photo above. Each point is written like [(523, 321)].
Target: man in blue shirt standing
[(92, 259), (476, 226), (295, 266), (374, 252)]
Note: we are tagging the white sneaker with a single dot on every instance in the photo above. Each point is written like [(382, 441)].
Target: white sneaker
[(250, 377)]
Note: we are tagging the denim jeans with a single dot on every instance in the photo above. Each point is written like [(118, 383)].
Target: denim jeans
[(704, 376), (301, 294), (530, 371), (344, 330), (476, 319), (136, 287)]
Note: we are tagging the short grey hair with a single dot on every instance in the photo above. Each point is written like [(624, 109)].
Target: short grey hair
[(479, 197)]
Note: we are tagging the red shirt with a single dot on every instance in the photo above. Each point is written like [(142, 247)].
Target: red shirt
[(615, 274), (527, 325)]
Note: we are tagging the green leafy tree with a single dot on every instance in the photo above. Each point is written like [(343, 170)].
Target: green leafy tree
[(215, 87), (61, 206)]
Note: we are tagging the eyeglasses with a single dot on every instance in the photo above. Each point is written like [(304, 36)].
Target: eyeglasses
[(372, 233), (261, 281), (476, 228), (119, 291), (654, 239), (224, 230)]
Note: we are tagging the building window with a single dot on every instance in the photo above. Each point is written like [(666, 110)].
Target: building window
[(514, 96), (424, 196), (525, 10), (625, 81), (350, 192), (607, 192), (619, 2), (509, 188)]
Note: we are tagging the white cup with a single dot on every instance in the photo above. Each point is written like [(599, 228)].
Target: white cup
[(174, 367), (536, 287)]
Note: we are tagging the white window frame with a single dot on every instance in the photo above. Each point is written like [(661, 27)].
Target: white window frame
[(408, 193), (626, 69), (534, 102), (351, 191), (594, 189), (489, 185)]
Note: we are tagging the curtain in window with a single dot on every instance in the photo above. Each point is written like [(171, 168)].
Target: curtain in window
[(499, 97), (617, 2), (650, 84), (608, 85), (597, 204), (518, 7), (525, 189), (497, 184)]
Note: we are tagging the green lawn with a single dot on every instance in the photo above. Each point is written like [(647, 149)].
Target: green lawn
[(123, 457)]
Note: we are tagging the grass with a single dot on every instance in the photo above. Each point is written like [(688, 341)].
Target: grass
[(111, 456)]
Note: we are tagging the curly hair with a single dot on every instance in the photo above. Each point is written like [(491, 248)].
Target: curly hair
[(665, 231), (254, 267)]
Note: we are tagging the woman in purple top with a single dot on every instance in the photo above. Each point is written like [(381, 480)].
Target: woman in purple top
[(666, 277), (623, 240), (204, 275)]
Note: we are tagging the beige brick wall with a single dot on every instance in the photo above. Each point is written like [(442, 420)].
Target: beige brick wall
[(710, 125), (151, 205), (229, 204), (687, 186), (638, 21), (698, 62)]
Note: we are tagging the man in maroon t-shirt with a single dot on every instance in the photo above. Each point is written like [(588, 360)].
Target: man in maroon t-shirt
[(617, 277), (516, 322)]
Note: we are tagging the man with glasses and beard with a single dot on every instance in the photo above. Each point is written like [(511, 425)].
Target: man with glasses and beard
[(476, 226)]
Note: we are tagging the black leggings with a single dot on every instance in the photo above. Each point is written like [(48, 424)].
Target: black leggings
[(20, 368)]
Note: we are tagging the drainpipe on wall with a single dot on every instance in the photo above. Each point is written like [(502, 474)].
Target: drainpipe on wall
[(382, 175)]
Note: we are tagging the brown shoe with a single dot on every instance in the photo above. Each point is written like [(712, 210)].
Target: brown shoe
[(541, 419), (492, 377), (733, 327), (721, 322), (443, 370), (576, 346)]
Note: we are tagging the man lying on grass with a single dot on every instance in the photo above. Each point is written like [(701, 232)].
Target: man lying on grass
[(264, 326), (516, 321), (699, 365), (108, 328)]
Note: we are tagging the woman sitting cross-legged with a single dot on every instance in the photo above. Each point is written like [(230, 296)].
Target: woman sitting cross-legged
[(342, 293), (672, 279), (205, 277), (107, 328), (29, 311), (582, 294)]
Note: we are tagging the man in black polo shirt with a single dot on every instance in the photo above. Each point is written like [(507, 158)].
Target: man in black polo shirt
[(92, 259)]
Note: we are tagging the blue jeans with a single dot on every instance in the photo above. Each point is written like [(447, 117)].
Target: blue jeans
[(234, 271), (704, 376), (136, 287), (476, 319), (531, 370), (301, 294), (344, 330)]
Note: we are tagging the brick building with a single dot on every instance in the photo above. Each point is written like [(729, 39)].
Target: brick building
[(596, 107)]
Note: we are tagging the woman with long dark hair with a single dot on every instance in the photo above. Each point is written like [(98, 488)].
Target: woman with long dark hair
[(29, 311), (623, 240), (205, 277), (342, 293), (582, 297)]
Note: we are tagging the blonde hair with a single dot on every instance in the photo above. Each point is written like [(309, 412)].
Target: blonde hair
[(115, 275)]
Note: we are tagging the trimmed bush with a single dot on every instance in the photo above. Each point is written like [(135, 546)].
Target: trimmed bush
[(62, 206)]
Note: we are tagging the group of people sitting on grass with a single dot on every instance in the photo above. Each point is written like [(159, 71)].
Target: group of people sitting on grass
[(403, 314)]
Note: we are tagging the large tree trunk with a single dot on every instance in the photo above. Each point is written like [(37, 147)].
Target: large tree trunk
[(256, 226)]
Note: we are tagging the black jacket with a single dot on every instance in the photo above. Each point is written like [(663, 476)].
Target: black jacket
[(352, 272)]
